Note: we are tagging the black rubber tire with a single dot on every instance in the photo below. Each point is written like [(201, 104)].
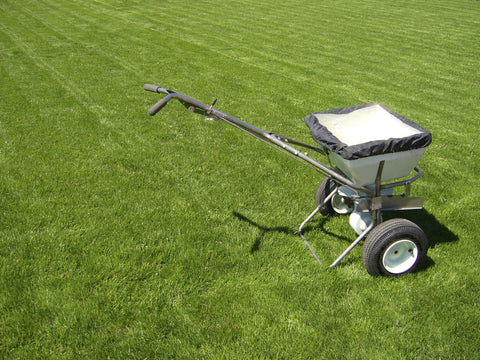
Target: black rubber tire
[(324, 189), (392, 237)]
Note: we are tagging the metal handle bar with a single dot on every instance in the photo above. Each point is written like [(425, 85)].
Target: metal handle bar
[(269, 137), (159, 105), (155, 89)]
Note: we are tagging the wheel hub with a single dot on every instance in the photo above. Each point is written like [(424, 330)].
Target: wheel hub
[(400, 256)]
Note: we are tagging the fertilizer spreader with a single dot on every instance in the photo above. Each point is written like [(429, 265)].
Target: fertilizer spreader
[(372, 154)]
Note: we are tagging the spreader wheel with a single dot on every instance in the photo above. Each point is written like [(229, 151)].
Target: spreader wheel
[(394, 247), (338, 205)]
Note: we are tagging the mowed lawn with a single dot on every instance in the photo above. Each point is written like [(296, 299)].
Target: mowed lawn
[(168, 237)]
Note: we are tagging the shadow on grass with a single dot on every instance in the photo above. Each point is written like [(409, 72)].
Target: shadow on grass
[(320, 222), (436, 232), (263, 230)]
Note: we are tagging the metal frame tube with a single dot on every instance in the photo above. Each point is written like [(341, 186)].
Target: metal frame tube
[(353, 244)]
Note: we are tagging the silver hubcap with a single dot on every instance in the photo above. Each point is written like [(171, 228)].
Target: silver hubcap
[(400, 256), (340, 206)]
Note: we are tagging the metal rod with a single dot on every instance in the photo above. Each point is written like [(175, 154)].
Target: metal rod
[(353, 244), (299, 232), (310, 248), (405, 182), (378, 178)]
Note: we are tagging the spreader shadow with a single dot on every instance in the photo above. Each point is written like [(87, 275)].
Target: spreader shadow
[(320, 222), (437, 233), (263, 230)]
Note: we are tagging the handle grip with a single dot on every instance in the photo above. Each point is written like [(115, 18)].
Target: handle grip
[(157, 89), (152, 88), (159, 105)]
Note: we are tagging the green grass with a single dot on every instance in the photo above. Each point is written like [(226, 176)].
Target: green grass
[(125, 236)]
